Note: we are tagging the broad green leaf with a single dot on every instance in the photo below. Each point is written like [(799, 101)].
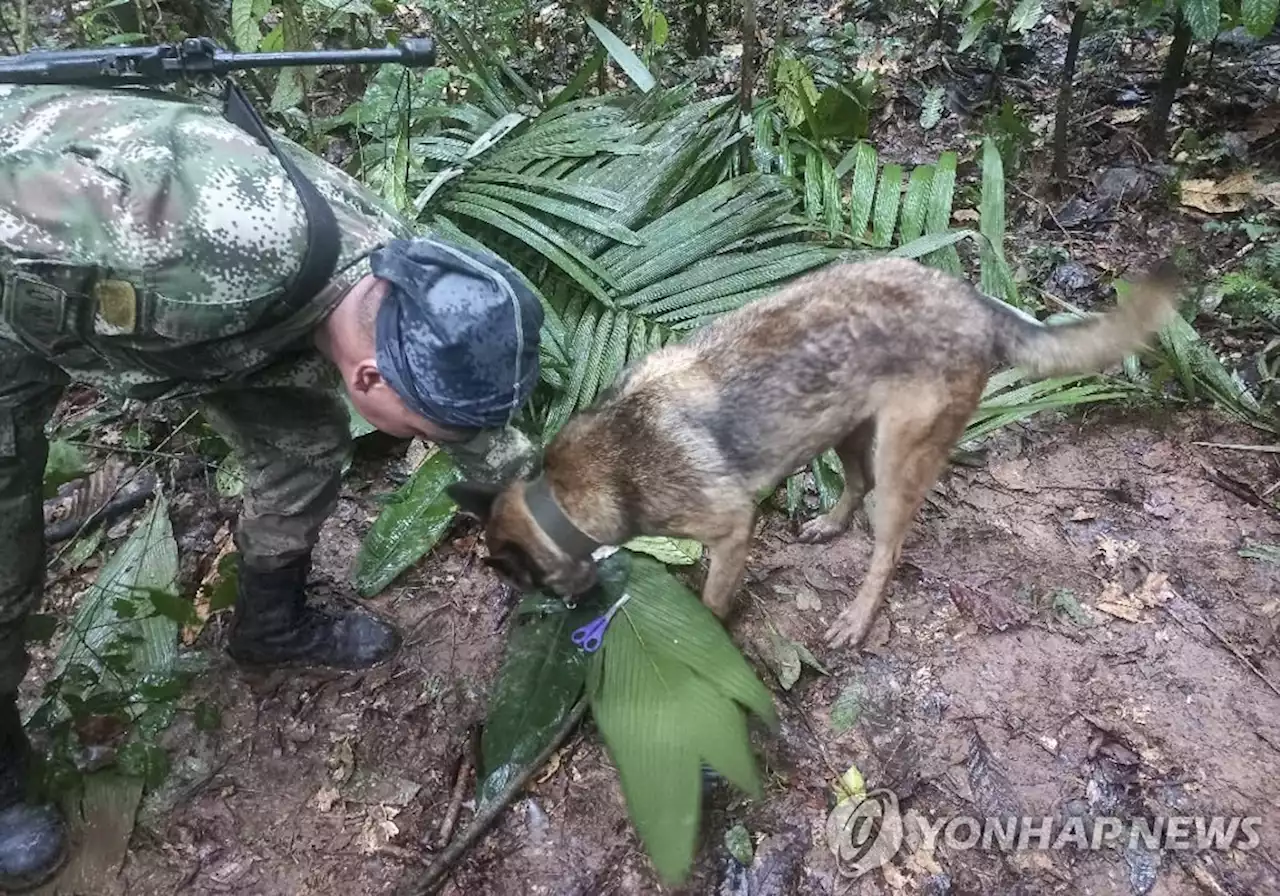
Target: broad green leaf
[(244, 26), (229, 478), (1259, 16), (672, 551), (410, 524), (848, 707), (608, 355), (147, 562), (863, 191), (575, 214), (1026, 15), (828, 480), (85, 547), (1203, 17), (996, 279), (931, 243), (915, 205), (674, 623), (832, 211), (1268, 553), (642, 710), (938, 214), (627, 60), (541, 678), (888, 198), (539, 237), (976, 22), (567, 401), (65, 463), (737, 841), (932, 107), (813, 183)]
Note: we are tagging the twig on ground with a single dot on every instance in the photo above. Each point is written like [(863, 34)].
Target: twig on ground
[(466, 762), (1266, 449), (1223, 640), (439, 870)]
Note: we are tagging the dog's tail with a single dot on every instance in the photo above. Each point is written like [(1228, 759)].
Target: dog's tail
[(1092, 343)]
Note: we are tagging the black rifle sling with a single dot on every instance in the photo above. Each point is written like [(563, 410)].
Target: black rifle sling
[(323, 242)]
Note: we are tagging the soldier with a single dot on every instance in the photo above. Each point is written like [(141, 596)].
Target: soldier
[(152, 248)]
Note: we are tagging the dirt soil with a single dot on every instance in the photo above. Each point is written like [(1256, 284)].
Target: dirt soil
[(992, 682)]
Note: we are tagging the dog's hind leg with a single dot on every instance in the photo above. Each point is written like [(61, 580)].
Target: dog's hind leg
[(916, 438), (854, 451)]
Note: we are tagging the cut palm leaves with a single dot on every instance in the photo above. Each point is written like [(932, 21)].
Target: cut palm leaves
[(120, 602), (411, 522), (670, 692), (541, 679)]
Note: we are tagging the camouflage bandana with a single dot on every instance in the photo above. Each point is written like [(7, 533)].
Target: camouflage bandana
[(457, 333)]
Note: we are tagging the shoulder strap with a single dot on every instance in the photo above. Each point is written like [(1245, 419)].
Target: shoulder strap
[(323, 242)]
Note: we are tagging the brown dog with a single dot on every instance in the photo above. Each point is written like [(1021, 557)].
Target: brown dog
[(888, 350)]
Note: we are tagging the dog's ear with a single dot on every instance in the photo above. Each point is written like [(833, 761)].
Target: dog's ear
[(474, 498)]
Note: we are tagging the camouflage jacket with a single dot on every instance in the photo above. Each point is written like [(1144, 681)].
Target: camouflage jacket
[(139, 226)]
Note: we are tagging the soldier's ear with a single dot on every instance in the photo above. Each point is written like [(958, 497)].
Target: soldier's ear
[(474, 498)]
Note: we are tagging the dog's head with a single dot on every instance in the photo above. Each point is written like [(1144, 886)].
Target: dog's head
[(519, 549)]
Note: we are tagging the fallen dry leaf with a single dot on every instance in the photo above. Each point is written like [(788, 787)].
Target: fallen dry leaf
[(225, 545), (1123, 611), (1126, 116), (325, 798), (1231, 194), (378, 830), (1116, 552), (807, 599), (966, 214), (1154, 591), (1080, 515)]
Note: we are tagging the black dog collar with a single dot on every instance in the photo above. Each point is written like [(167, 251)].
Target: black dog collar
[(546, 512)]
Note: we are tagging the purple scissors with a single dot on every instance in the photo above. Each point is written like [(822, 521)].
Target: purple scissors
[(591, 635)]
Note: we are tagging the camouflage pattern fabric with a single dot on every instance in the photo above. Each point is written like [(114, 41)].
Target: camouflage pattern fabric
[(142, 240)]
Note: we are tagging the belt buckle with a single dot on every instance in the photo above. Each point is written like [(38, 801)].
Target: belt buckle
[(36, 311)]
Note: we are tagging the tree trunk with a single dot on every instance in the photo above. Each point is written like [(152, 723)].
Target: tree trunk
[(1064, 95), (748, 72), (697, 33), (1158, 117)]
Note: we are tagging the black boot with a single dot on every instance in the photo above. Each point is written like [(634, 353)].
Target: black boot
[(274, 626), (33, 839)]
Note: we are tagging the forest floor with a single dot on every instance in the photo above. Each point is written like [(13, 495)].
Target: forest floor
[(1073, 629)]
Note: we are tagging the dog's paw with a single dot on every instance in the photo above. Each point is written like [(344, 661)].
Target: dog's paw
[(821, 529), (850, 627)]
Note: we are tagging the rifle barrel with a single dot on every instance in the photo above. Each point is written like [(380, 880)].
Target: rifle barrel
[(194, 56)]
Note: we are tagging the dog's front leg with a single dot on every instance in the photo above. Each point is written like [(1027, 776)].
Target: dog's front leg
[(728, 559)]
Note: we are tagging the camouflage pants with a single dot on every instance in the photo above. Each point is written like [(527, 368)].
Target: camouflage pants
[(291, 432)]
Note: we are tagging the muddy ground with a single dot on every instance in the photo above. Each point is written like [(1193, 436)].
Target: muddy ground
[(993, 681)]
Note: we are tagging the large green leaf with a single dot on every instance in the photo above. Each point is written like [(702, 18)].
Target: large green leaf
[(118, 603), (668, 691), (414, 518), (1203, 17), (65, 462), (641, 711), (541, 678), (1259, 16), (623, 55)]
